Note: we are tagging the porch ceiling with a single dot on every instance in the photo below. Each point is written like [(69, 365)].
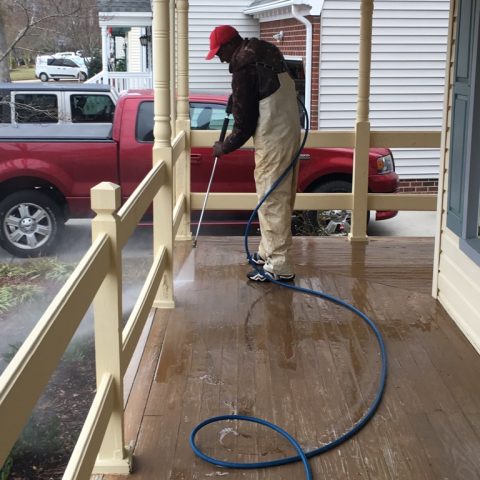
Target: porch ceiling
[(124, 5), (123, 13)]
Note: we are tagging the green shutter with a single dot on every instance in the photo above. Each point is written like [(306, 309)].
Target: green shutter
[(461, 114)]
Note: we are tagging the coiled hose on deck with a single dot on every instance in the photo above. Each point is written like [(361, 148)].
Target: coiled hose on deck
[(301, 455)]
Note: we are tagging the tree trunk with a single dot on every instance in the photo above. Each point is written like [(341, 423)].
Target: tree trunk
[(5, 63)]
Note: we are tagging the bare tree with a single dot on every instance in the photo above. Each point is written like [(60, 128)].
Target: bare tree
[(40, 26), (4, 66)]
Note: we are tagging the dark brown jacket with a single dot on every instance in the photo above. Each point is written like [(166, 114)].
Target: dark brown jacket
[(254, 68)]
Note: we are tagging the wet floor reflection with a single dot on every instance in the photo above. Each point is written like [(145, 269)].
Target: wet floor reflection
[(231, 346)]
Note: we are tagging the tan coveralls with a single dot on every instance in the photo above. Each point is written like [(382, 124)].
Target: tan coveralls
[(276, 140)]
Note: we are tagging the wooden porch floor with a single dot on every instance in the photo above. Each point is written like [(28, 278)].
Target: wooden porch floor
[(309, 366)]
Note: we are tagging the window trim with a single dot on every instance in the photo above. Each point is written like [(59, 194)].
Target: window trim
[(471, 248)]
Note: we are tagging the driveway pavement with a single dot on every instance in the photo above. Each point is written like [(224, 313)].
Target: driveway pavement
[(406, 224)]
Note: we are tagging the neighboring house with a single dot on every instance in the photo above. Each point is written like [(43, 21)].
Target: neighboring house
[(135, 17), (322, 36), (126, 43)]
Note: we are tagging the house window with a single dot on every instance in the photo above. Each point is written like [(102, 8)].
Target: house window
[(295, 67), (463, 204)]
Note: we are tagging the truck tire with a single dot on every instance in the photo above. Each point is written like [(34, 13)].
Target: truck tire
[(30, 223), (329, 222), (43, 77), (82, 76)]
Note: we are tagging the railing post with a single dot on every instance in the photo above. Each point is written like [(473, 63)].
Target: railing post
[(358, 232), (113, 457), (183, 117), (162, 148)]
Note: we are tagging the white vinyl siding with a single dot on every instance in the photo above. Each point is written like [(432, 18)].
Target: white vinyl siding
[(134, 49), (213, 76), (408, 72), (458, 287)]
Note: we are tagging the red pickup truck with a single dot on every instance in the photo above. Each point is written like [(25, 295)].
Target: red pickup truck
[(47, 171)]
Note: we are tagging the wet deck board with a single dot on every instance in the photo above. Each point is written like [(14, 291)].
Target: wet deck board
[(309, 366)]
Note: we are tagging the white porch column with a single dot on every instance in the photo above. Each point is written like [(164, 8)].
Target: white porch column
[(105, 53), (358, 232), (183, 114), (162, 148)]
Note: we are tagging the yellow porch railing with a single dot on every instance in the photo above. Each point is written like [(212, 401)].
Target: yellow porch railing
[(97, 279), (324, 201)]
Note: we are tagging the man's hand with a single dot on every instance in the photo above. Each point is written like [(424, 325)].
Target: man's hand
[(217, 149)]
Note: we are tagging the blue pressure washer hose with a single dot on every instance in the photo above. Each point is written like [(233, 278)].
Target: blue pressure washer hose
[(302, 456)]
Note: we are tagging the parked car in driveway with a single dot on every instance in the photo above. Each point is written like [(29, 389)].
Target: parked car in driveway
[(46, 176), (57, 68)]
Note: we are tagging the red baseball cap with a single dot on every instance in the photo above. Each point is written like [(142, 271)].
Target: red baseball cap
[(220, 36)]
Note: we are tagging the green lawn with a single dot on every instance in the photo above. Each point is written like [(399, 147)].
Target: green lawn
[(24, 73)]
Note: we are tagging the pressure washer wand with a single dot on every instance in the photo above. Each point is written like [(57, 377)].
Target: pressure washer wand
[(223, 132)]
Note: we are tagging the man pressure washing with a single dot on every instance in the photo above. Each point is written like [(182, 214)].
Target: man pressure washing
[(264, 105)]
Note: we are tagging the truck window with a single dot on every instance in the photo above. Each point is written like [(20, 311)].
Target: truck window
[(203, 116), (36, 108), (5, 110), (144, 127), (208, 116), (91, 108)]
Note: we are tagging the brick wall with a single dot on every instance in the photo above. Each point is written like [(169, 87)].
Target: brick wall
[(420, 185), (294, 44)]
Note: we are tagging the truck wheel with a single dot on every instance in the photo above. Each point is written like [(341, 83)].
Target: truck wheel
[(329, 222), (43, 77), (82, 77), (30, 223)]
